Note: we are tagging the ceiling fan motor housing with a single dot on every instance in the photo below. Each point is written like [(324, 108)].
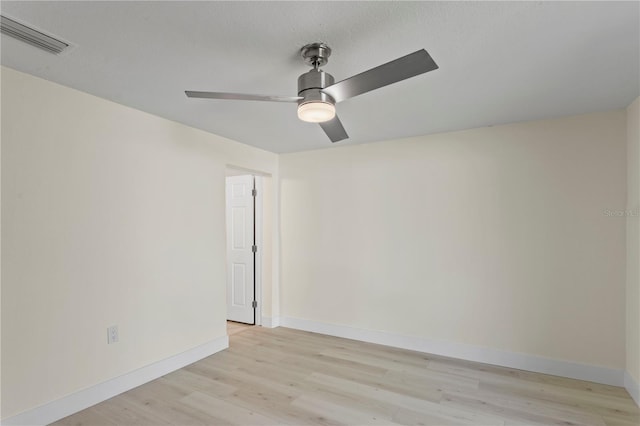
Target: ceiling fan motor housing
[(310, 85)]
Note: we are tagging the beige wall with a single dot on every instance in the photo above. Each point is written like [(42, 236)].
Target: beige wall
[(495, 237), (109, 216), (633, 240), (1, 416), (268, 209)]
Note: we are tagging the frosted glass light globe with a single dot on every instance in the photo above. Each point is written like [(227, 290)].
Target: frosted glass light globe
[(316, 112)]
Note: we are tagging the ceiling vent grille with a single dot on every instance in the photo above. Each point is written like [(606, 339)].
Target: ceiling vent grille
[(31, 36)]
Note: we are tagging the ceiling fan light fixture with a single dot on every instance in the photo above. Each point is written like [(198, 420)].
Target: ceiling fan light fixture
[(316, 112), (318, 92)]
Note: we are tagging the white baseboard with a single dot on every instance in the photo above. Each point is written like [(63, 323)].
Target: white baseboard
[(520, 361), (270, 322), (632, 387), (77, 401)]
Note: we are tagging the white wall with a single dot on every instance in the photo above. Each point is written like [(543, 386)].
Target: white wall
[(0, 250), (494, 237), (269, 211), (109, 216), (633, 243)]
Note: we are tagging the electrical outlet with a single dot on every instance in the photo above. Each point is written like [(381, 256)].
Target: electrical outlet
[(112, 334)]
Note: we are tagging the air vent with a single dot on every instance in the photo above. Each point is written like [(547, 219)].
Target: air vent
[(31, 36)]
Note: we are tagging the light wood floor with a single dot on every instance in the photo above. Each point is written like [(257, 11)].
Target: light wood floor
[(284, 376), (237, 327)]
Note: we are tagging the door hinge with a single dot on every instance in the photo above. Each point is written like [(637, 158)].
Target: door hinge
[(254, 192), (254, 304), (254, 249)]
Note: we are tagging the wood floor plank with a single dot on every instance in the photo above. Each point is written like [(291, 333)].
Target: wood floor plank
[(377, 408), (428, 391), (517, 410), (227, 412), (124, 411), (341, 413), (88, 417), (278, 405), (480, 371), (408, 417), (187, 380), (623, 412), (237, 327), (291, 377)]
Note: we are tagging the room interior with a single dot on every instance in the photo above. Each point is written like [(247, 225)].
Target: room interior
[(486, 211)]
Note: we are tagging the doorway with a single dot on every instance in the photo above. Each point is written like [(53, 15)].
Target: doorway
[(243, 228)]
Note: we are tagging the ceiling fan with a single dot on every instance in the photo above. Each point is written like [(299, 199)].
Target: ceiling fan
[(318, 94)]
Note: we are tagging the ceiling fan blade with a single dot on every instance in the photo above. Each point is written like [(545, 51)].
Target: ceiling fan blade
[(334, 129), (241, 96), (400, 69)]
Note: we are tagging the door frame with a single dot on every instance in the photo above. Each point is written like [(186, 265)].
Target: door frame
[(258, 218)]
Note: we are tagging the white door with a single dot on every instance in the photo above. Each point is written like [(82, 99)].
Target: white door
[(240, 254)]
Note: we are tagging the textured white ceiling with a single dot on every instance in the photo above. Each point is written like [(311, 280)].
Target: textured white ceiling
[(500, 62)]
